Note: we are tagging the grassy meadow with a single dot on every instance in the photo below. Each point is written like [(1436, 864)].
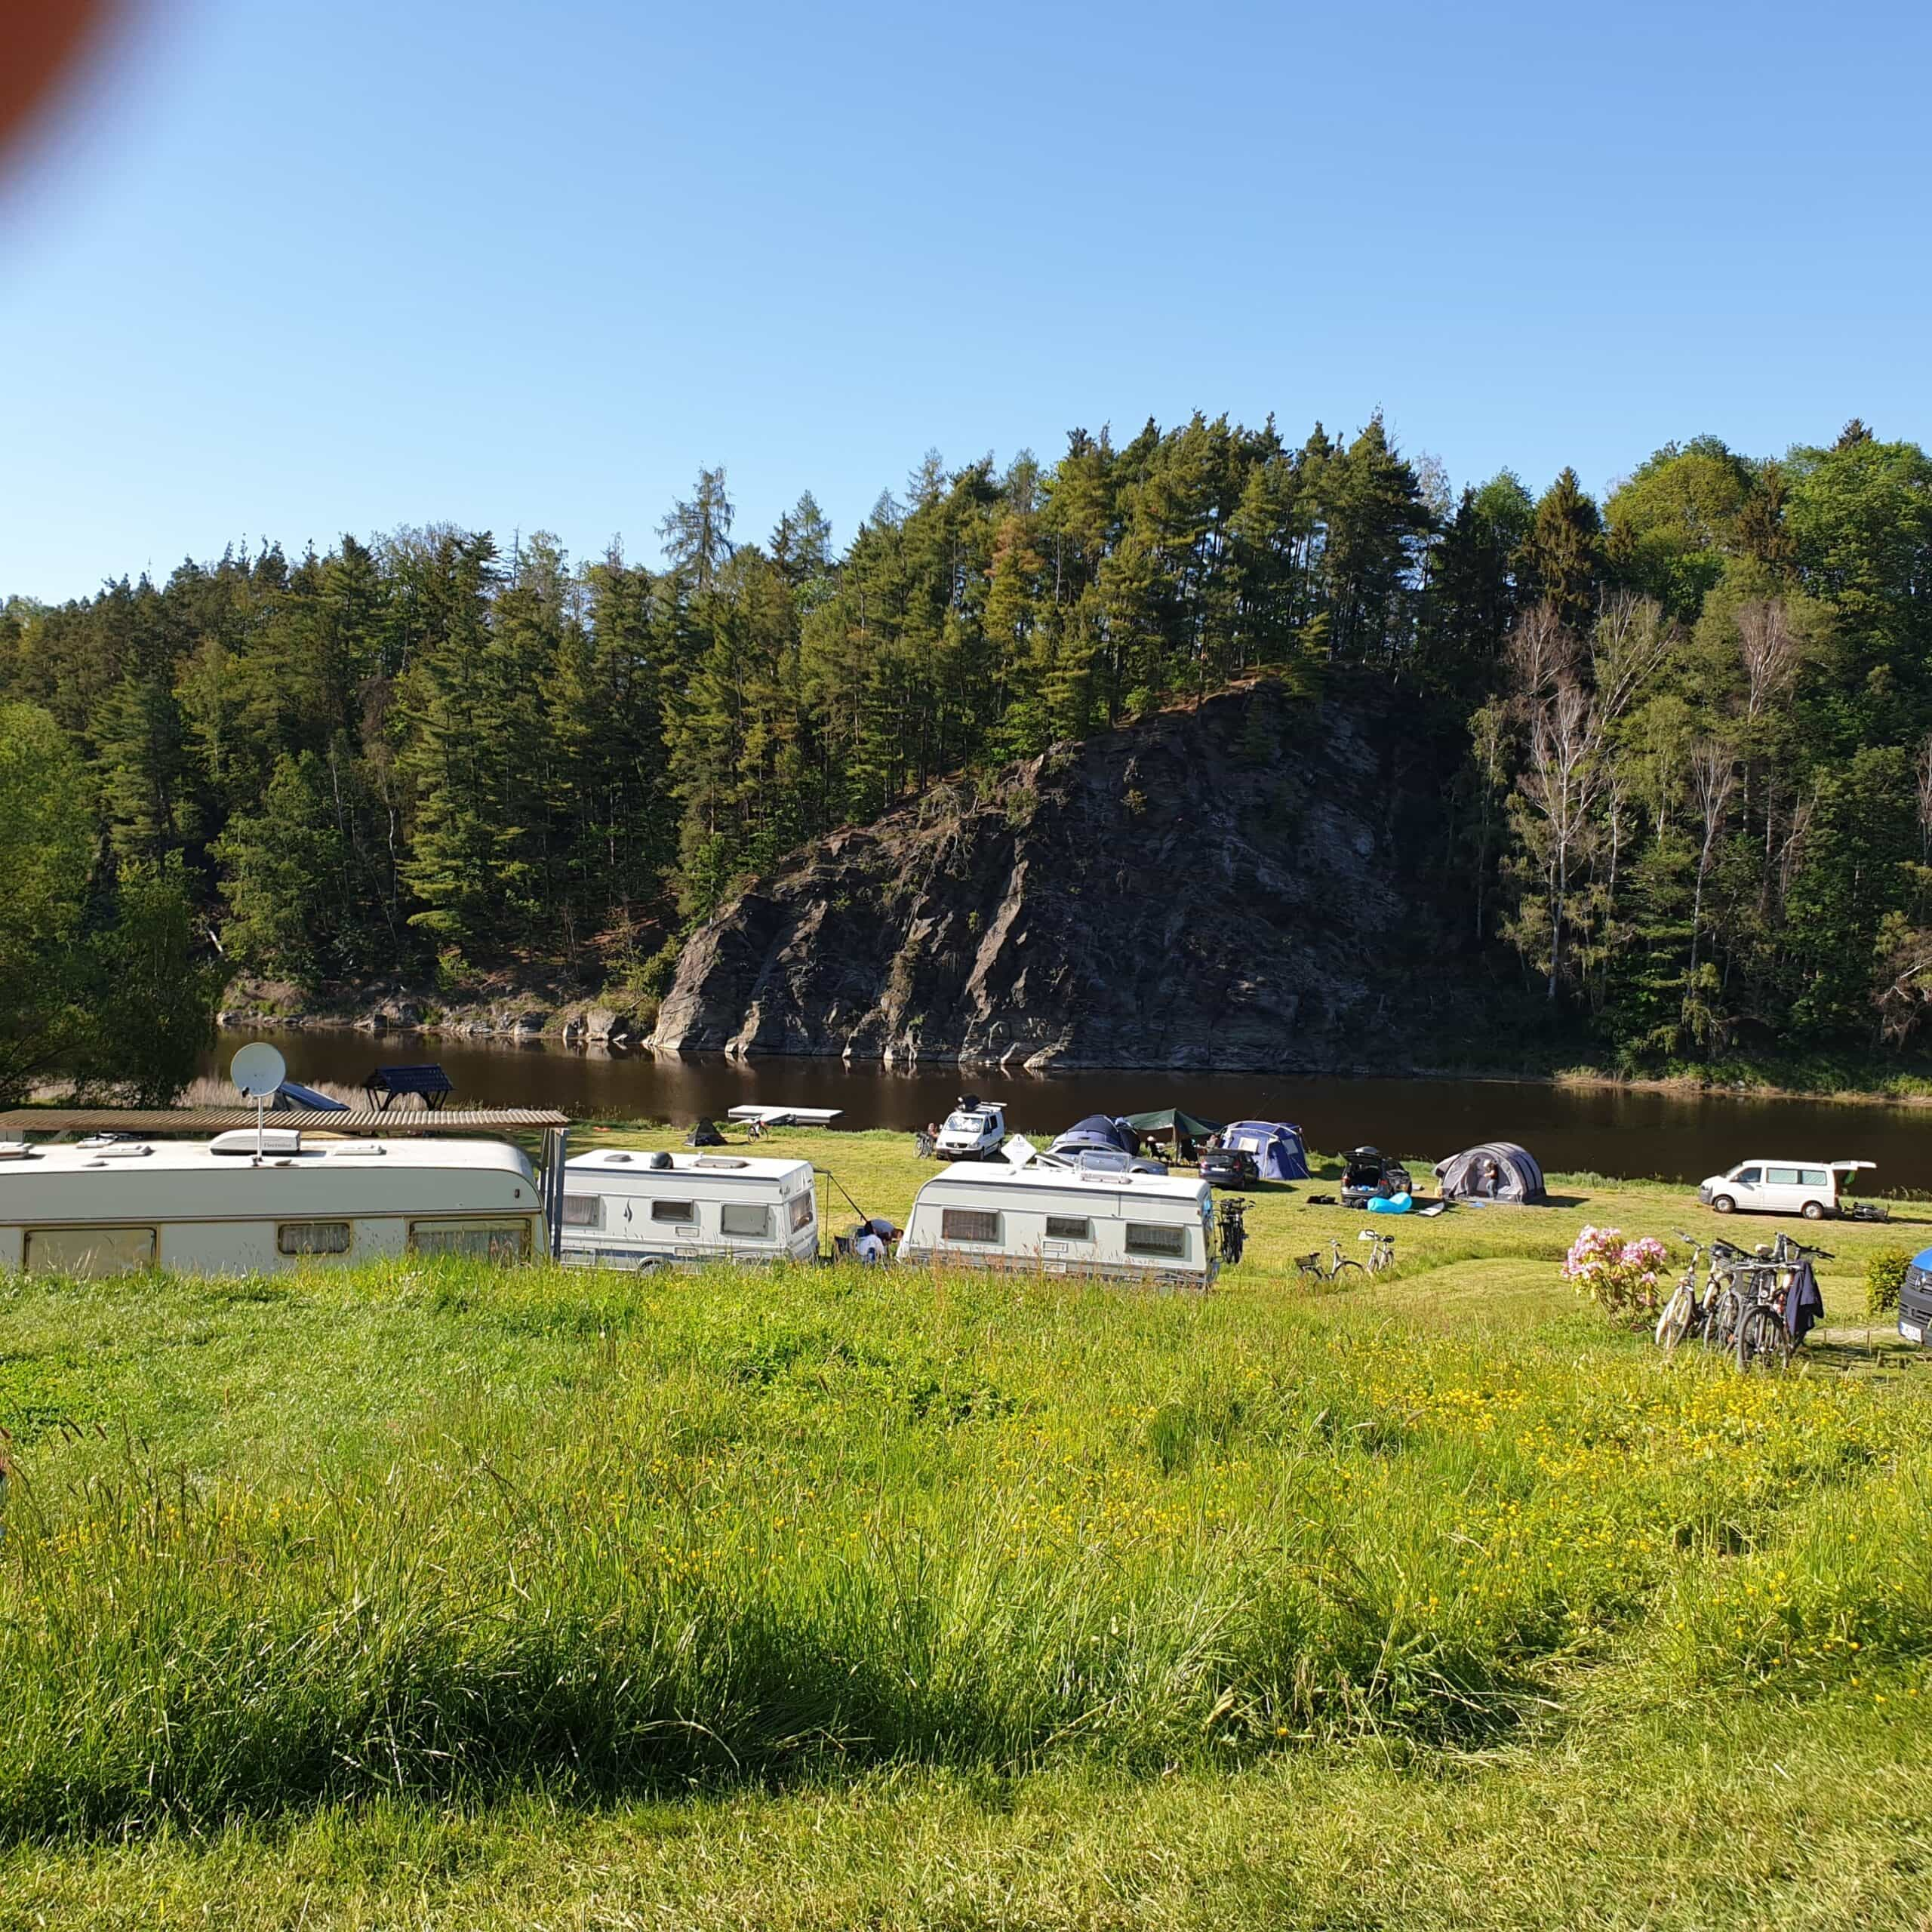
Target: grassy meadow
[(422, 1595)]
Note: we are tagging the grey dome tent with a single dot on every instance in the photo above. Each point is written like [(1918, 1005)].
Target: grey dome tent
[(1096, 1134), (1277, 1148), (1497, 1171)]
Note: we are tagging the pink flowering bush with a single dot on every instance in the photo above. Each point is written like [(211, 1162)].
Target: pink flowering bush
[(1620, 1276)]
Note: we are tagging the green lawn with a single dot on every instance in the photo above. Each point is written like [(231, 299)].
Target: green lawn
[(423, 1596)]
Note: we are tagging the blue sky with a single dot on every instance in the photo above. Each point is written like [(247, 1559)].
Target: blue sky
[(291, 270)]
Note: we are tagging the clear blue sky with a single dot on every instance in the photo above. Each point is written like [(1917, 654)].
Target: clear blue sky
[(291, 270)]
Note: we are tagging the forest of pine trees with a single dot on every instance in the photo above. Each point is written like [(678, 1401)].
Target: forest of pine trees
[(1694, 720)]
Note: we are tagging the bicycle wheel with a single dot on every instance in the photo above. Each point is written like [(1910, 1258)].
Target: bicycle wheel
[(1763, 1340), (1674, 1322), (1721, 1331), (1349, 1268)]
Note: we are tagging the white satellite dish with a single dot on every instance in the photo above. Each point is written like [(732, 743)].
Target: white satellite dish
[(258, 1071)]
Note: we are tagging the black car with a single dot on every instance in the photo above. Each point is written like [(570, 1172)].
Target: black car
[(1229, 1167), (1367, 1172)]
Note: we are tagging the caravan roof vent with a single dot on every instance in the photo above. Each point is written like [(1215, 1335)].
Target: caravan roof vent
[(104, 1149), (241, 1141), (618, 1158), (660, 1163), (361, 1150), (15, 1150), (719, 1160)]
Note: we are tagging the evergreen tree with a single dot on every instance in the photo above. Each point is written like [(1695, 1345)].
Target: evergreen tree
[(1562, 558)]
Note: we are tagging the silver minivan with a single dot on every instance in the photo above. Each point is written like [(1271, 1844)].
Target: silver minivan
[(1810, 1188)]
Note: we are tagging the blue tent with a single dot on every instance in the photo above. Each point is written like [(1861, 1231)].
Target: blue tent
[(1095, 1134), (1276, 1146)]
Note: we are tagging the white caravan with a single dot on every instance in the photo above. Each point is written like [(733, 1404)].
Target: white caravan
[(635, 1209), (974, 1130), (1810, 1188), (1156, 1228), (242, 1204)]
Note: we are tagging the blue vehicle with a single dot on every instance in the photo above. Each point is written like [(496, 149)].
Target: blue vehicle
[(1915, 1298)]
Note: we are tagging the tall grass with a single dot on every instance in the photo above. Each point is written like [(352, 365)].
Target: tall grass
[(612, 1536)]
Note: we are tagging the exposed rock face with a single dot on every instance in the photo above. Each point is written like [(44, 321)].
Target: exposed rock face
[(1242, 886)]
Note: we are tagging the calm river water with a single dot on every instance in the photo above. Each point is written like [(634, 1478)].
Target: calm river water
[(1607, 1130)]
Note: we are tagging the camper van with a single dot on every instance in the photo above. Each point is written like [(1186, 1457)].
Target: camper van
[(974, 1130), (1810, 1188), (634, 1209), (257, 1203), (1155, 1229)]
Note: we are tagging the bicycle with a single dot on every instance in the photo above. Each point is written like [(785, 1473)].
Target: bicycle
[(1765, 1340), (1686, 1311), (1725, 1300), (1233, 1229), (1381, 1258)]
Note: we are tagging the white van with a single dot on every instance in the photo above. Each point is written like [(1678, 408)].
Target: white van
[(1154, 1228), (627, 1209), (110, 1206), (1810, 1188), (974, 1130)]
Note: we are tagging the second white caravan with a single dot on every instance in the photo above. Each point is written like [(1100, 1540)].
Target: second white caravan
[(625, 1209), (1158, 1229)]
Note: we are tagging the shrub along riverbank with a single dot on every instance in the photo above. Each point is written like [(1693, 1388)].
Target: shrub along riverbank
[(797, 1597)]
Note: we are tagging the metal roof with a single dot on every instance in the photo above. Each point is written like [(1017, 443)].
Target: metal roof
[(367, 1122)]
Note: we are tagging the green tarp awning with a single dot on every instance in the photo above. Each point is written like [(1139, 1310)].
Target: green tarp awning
[(1171, 1120)]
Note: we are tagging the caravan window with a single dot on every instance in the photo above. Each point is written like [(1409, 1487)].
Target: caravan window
[(584, 1211), (801, 1212), (1068, 1227), (967, 1224), (482, 1241), (89, 1250), (678, 1213), (747, 1221), (312, 1238), (1143, 1237)]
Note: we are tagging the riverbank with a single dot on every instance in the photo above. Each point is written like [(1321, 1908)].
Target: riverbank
[(530, 1008)]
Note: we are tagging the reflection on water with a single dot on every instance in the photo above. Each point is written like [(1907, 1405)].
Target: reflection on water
[(1609, 1130)]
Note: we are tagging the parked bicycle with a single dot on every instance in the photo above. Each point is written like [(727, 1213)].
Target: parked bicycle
[(1741, 1309), (1765, 1338), (1688, 1309), (1234, 1229), (1381, 1258)]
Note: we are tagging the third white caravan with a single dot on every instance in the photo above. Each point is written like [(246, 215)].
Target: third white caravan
[(1154, 1228)]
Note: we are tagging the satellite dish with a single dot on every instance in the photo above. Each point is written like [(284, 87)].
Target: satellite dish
[(257, 1070)]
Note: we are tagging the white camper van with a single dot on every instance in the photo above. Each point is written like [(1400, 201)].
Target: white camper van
[(245, 1203), (634, 1209), (1156, 1228), (1810, 1188), (974, 1130)]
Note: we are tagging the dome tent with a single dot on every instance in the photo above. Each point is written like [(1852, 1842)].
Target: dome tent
[(1278, 1151), (1096, 1134), (1497, 1171)]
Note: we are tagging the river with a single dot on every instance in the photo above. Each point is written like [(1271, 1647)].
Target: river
[(1633, 1132)]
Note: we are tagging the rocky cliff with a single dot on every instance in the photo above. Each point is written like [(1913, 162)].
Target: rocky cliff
[(1242, 885)]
